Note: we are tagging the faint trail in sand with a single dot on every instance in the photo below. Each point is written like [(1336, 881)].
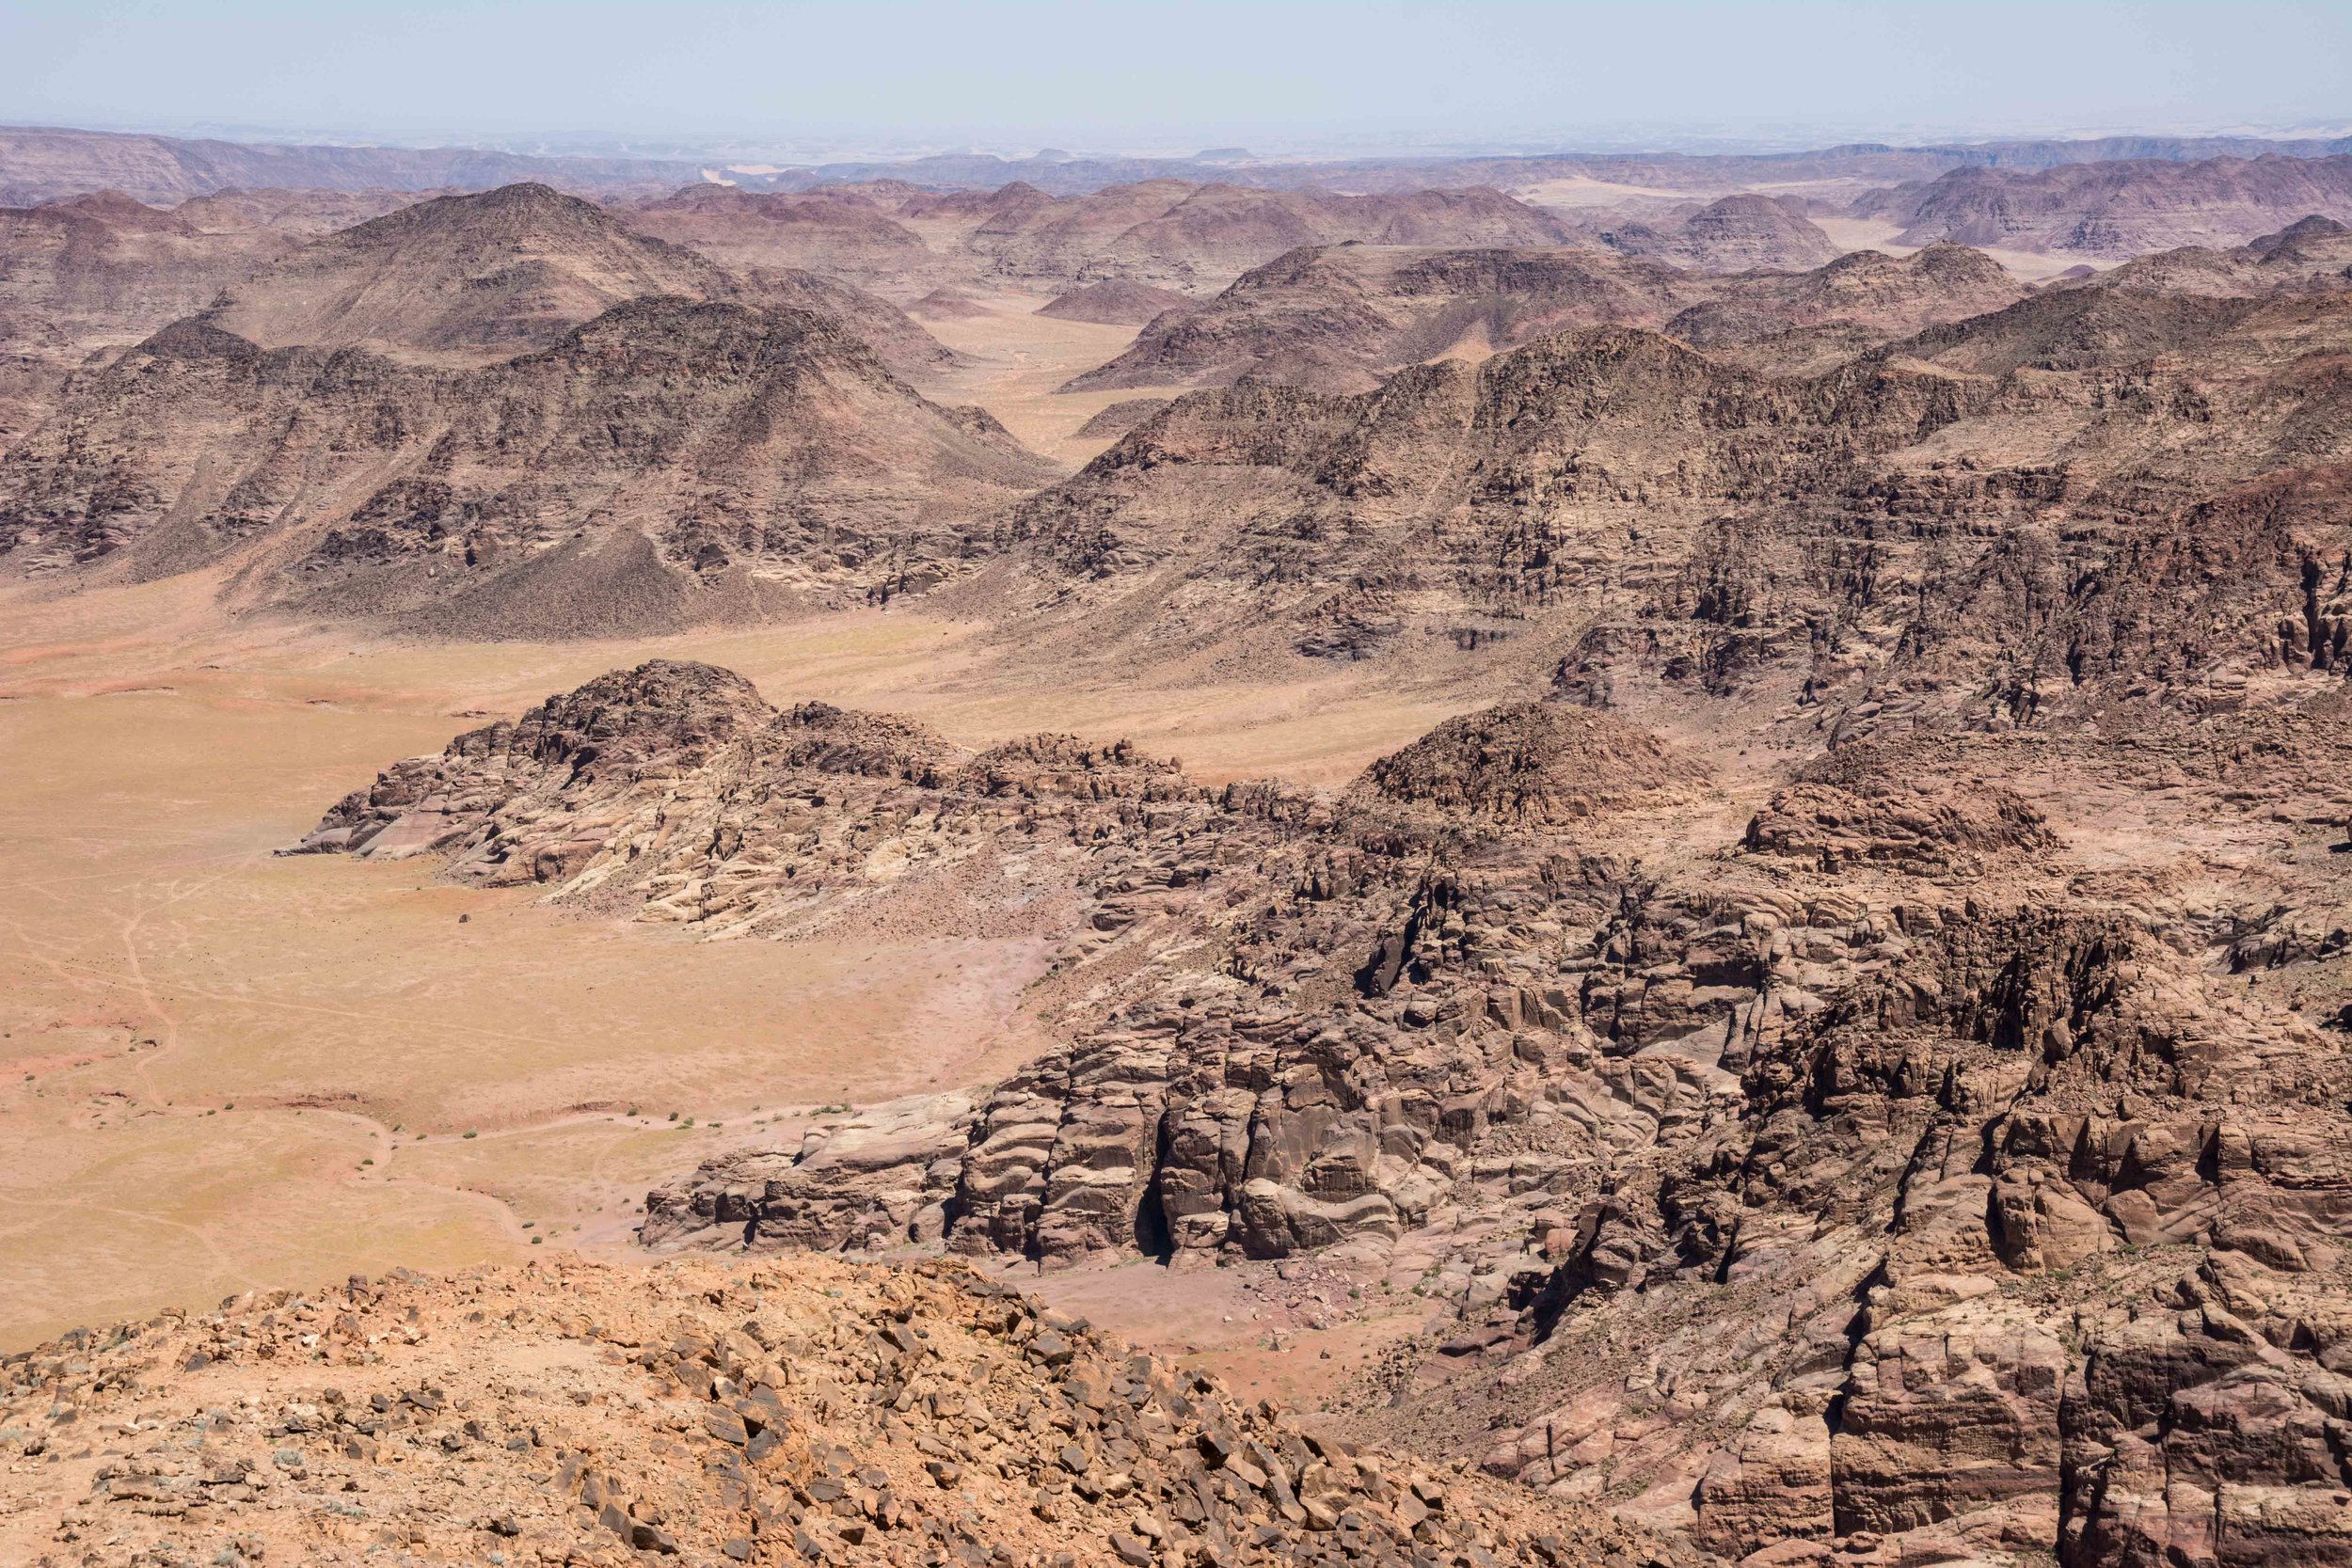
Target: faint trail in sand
[(227, 1265), (43, 884), (167, 1026), (321, 1010)]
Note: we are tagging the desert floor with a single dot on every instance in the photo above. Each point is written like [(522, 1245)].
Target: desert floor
[(220, 1068)]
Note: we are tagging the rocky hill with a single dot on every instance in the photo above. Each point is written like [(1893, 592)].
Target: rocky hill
[(1119, 302), (1189, 237), (898, 339), (1807, 320), (1461, 507), (2311, 254), (90, 274), (700, 1414), (1340, 317), (1454, 505), (469, 279), (1736, 233), (463, 276), (665, 463), (83, 270), (2118, 209), (841, 234)]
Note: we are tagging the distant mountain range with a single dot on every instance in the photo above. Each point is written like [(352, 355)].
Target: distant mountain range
[(41, 163)]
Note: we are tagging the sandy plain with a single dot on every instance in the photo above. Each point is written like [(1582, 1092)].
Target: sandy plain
[(1016, 358)]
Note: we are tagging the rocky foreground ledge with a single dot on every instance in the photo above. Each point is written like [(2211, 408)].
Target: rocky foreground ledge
[(695, 1413)]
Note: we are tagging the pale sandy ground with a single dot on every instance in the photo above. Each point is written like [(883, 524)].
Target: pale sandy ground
[(1018, 359), (215, 1064)]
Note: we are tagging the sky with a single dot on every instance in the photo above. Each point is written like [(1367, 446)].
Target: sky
[(1148, 75)]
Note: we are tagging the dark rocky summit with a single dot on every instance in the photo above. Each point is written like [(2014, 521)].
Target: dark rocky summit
[(1736, 233), (1116, 301), (665, 464)]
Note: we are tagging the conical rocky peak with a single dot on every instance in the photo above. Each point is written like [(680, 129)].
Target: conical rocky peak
[(466, 276), (1534, 763)]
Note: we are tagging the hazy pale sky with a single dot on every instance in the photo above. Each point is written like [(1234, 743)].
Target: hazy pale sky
[(1155, 74)]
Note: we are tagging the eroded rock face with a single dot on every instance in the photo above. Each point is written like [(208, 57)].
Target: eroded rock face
[(673, 791), (1885, 1176), (666, 462), (1875, 804), (1321, 1081), (2211, 1432)]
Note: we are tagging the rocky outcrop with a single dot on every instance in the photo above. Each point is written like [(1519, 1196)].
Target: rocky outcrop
[(2206, 1433), (1900, 806), (1963, 510), (1808, 320), (1339, 318), (1916, 1189), (1531, 763), (1453, 504), (2308, 256), (674, 792), (1120, 418), (1322, 1082), (470, 278), (898, 339), (805, 1412)]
